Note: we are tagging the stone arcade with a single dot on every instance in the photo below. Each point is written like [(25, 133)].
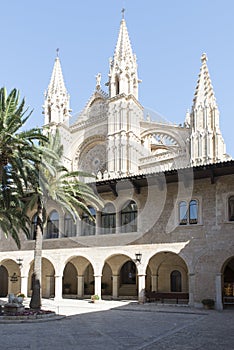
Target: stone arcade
[(167, 190)]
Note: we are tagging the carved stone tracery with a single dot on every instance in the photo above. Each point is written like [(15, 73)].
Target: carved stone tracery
[(94, 160)]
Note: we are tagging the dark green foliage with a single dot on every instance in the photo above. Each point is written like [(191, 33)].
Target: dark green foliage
[(18, 153)]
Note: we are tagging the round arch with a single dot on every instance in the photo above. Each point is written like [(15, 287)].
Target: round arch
[(107, 278), (160, 270), (78, 277), (47, 279), (228, 281), (3, 281), (119, 277), (218, 263), (10, 277)]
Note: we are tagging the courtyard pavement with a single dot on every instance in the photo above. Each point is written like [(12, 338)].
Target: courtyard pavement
[(116, 325)]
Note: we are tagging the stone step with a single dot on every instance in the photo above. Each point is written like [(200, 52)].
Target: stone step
[(128, 290)]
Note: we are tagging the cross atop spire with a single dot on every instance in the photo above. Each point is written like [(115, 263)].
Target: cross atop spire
[(123, 13), (57, 52)]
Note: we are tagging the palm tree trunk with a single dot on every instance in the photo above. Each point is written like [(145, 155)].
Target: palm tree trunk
[(3, 163), (35, 302)]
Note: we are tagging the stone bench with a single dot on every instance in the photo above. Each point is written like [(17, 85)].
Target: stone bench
[(161, 296)]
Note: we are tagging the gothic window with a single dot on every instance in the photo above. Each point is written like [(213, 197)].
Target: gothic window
[(188, 213), (129, 217), (129, 85), (88, 225), (231, 208), (69, 226), (108, 219), (176, 281), (33, 227), (193, 212), (183, 213), (117, 85), (53, 225), (49, 114)]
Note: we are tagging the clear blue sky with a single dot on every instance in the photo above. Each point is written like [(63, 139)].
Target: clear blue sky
[(167, 36)]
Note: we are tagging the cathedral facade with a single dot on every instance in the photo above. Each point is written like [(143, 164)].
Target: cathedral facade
[(167, 220)]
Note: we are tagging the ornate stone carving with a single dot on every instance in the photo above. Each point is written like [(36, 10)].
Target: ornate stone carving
[(94, 160)]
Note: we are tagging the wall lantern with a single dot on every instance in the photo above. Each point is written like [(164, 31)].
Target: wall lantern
[(20, 262), (138, 257)]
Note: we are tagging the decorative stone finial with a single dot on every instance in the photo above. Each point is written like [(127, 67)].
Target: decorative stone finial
[(123, 11), (204, 58), (98, 81), (57, 52)]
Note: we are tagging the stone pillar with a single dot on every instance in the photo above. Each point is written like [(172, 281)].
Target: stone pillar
[(80, 286), (98, 223), (61, 227), (141, 289), (118, 222), (58, 287), (154, 283), (191, 286), (24, 285), (48, 285), (79, 227), (97, 281), (218, 287), (115, 286)]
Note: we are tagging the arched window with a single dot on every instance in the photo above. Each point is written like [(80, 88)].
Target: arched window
[(117, 85), (183, 213), (129, 217), (231, 208), (69, 226), (108, 219), (33, 227), (49, 114), (128, 273), (53, 225), (176, 285), (88, 226), (193, 211), (129, 84)]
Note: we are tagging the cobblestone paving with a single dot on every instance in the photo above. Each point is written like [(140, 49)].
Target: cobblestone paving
[(125, 326)]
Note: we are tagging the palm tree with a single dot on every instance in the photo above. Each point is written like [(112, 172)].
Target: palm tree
[(13, 217), (18, 153), (52, 181)]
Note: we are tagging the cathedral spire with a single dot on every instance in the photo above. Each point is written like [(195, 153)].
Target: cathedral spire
[(56, 106), (207, 145), (123, 77), (204, 93), (56, 84)]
